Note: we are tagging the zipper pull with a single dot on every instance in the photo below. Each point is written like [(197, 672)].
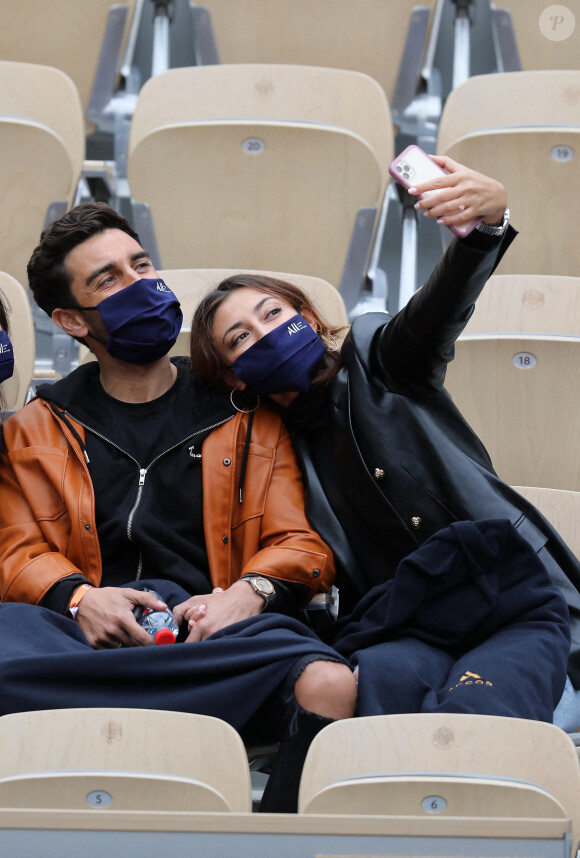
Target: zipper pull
[(142, 475)]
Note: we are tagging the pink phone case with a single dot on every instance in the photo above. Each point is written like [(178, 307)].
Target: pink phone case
[(414, 166)]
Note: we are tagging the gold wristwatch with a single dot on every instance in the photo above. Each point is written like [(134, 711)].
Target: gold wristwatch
[(263, 586)]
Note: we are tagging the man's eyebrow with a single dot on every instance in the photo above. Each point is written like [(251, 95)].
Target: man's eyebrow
[(109, 266), (256, 309), (98, 271)]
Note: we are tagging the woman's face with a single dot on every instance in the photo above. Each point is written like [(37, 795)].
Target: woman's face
[(245, 317)]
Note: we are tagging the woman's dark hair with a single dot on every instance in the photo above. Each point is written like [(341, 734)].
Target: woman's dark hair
[(48, 277), (205, 360)]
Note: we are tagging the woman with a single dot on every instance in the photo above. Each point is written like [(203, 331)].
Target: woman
[(388, 459)]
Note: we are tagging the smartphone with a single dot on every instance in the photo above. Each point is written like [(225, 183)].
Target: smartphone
[(414, 166)]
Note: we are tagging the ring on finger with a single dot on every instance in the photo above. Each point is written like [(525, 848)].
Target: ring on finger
[(461, 207)]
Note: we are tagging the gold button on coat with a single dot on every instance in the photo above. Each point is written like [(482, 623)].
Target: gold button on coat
[(416, 522), (379, 473)]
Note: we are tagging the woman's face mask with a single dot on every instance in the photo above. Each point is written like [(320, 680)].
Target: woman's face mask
[(6, 357), (143, 321), (282, 360)]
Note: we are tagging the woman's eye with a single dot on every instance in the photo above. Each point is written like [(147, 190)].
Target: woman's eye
[(273, 312), (238, 339)]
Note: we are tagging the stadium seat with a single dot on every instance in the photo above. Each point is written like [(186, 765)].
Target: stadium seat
[(123, 759), (509, 100), (538, 166), (522, 128), (219, 169), (368, 36), (15, 390), (429, 767), (47, 96), (533, 34), (83, 38), (289, 93), (532, 763), (517, 392), (561, 508), (527, 304), (36, 170)]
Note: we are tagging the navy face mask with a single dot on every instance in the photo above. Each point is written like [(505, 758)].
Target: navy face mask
[(143, 321), (283, 360), (6, 357)]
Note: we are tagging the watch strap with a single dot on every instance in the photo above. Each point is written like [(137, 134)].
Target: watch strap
[(490, 229)]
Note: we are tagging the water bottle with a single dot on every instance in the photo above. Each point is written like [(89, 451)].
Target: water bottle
[(161, 625)]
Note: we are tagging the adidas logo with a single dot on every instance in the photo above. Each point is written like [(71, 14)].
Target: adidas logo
[(470, 678)]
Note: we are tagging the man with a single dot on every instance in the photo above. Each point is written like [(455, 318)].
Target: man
[(123, 477)]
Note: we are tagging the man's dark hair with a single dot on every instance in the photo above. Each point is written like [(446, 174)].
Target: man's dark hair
[(48, 277)]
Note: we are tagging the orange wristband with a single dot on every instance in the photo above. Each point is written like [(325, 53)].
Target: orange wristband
[(77, 597)]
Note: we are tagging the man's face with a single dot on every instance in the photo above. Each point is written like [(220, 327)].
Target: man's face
[(105, 264), (99, 267)]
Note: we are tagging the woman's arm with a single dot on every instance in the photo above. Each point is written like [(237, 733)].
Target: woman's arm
[(412, 351)]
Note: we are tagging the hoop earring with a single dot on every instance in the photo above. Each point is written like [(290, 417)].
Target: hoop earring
[(243, 410), (334, 343)]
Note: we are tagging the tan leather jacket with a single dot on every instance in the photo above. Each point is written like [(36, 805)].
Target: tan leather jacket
[(47, 507)]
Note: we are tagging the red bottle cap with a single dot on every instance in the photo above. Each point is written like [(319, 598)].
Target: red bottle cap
[(164, 636)]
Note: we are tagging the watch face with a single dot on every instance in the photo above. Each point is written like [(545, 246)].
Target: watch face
[(264, 586)]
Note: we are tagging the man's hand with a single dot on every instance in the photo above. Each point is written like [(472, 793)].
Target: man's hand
[(214, 611), (105, 616), (461, 196)]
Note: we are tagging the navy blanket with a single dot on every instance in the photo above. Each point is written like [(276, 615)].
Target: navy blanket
[(46, 663), (471, 622)]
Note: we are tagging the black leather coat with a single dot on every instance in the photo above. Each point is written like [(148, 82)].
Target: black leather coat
[(387, 457)]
